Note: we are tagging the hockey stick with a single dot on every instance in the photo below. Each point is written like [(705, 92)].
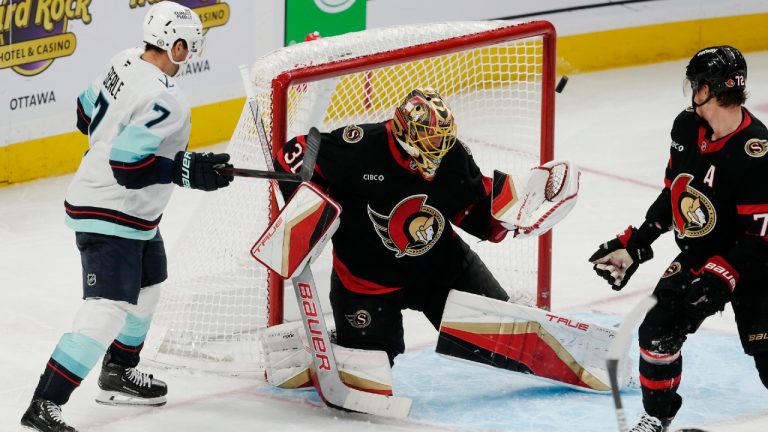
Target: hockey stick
[(313, 144), (327, 380), (332, 390), (616, 351), (307, 166)]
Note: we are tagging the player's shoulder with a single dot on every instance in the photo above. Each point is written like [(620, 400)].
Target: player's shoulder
[(685, 119), (756, 126), (149, 81), (752, 141), (358, 136)]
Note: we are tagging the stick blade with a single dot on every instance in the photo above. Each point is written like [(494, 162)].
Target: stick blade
[(384, 406), (310, 154)]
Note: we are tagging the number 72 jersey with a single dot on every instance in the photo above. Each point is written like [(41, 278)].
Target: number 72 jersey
[(136, 119), (717, 190)]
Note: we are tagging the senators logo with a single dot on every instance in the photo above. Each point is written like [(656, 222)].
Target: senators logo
[(673, 269), (693, 213), (756, 147), (360, 319), (353, 134), (411, 228)]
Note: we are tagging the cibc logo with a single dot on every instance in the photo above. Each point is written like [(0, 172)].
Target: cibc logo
[(33, 33)]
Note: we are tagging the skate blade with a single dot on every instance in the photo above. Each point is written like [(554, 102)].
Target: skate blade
[(117, 398)]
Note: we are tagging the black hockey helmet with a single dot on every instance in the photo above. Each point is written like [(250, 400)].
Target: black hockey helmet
[(723, 68)]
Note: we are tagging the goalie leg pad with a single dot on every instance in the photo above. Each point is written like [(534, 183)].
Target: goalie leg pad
[(527, 340), (365, 370), (286, 362), (289, 365)]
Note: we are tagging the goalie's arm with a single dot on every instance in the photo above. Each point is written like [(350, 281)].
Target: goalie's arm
[(473, 215), (290, 160)]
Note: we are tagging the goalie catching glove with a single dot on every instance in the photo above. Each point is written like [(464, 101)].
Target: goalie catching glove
[(549, 195), (199, 170)]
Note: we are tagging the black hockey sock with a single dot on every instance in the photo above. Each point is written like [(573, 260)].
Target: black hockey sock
[(659, 383), (124, 355), (56, 383)]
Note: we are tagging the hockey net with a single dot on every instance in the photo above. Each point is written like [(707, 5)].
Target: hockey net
[(498, 78)]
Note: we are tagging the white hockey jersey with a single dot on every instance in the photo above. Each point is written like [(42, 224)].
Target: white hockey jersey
[(137, 120)]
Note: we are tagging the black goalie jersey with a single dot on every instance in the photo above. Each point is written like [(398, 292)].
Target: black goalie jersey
[(395, 228), (716, 193)]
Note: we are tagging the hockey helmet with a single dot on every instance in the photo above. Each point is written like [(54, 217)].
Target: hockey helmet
[(167, 22), (723, 68), (424, 126)]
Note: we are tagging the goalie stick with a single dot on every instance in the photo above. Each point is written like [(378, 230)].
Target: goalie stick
[(304, 174), (326, 378), (618, 348), (310, 154)]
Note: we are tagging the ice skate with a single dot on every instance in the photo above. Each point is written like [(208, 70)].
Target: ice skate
[(649, 423), (44, 416), (122, 385)]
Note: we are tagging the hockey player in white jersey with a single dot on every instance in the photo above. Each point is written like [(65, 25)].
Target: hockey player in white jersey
[(138, 123)]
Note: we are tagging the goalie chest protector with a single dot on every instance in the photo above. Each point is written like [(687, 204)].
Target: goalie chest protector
[(396, 226)]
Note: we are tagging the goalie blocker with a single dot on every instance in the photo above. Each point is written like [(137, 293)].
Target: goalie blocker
[(527, 340)]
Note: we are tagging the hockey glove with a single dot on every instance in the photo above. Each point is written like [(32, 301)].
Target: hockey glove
[(711, 289), (198, 170), (616, 260)]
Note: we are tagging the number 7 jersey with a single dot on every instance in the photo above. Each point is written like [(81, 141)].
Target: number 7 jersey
[(136, 119)]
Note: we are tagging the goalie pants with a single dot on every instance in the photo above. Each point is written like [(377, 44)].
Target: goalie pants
[(375, 321), (666, 326)]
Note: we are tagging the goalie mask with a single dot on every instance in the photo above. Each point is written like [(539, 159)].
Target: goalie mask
[(423, 125), (167, 22)]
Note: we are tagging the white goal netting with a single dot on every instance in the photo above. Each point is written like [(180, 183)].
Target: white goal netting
[(491, 73)]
